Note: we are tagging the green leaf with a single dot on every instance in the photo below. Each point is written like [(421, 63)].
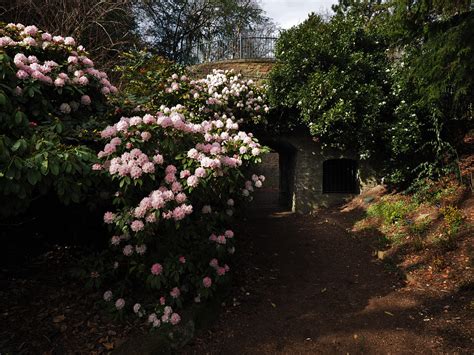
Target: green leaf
[(44, 167), (33, 176), (16, 146), (54, 168), (59, 128), (19, 117), (3, 99)]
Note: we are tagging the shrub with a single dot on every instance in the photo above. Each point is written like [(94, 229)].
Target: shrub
[(179, 176), (148, 82), (391, 210), (453, 218), (331, 76), (49, 94)]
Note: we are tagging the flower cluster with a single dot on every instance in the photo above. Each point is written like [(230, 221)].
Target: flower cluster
[(52, 98), (73, 69), (220, 91), (178, 176)]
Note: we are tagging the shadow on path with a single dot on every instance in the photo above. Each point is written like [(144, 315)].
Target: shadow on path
[(309, 286)]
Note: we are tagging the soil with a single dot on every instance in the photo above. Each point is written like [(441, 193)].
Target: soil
[(303, 284), (307, 284)]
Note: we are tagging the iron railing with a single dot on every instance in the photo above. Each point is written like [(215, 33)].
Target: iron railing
[(238, 48)]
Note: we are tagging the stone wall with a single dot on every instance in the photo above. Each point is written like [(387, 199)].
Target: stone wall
[(305, 171), (256, 69)]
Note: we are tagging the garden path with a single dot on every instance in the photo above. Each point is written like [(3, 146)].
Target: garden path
[(314, 287)]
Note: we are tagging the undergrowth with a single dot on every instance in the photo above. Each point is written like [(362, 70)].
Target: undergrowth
[(426, 218)]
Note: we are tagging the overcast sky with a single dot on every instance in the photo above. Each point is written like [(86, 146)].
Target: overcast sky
[(288, 13)]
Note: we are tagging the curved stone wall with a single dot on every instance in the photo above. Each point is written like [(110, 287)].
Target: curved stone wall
[(256, 69)]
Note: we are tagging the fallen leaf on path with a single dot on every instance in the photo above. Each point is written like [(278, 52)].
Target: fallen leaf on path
[(59, 319), (108, 346)]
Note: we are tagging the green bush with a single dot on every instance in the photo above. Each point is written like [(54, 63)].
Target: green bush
[(331, 76), (391, 210), (50, 94)]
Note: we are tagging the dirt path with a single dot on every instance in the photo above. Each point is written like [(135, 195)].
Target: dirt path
[(312, 287)]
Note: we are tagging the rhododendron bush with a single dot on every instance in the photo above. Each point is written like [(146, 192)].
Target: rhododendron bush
[(49, 92), (147, 82), (180, 174)]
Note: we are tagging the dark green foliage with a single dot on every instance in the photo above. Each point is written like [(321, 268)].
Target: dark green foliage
[(435, 86), (331, 76), (143, 77), (352, 84)]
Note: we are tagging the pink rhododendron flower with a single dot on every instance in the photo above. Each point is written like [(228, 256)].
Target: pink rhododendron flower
[(192, 181), (72, 59), (137, 226), (128, 250), (181, 197), (152, 317), (200, 172), (21, 74), (175, 292), (140, 249), (175, 318), (149, 119), (46, 36), (115, 240), (59, 82), (184, 174), (109, 217), (83, 81), (120, 303), (169, 178), (182, 259), (29, 41), (136, 172), (156, 269), (158, 159), (207, 282), (69, 41), (85, 100), (146, 136), (176, 187), (30, 30), (214, 263), (65, 108)]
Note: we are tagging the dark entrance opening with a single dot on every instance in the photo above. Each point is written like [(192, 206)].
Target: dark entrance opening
[(279, 170), (340, 176)]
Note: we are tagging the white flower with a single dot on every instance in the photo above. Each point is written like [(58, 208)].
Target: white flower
[(108, 296)]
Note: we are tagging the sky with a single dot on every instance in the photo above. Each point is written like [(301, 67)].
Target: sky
[(288, 13)]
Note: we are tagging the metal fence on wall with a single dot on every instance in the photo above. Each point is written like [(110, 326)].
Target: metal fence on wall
[(238, 48)]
